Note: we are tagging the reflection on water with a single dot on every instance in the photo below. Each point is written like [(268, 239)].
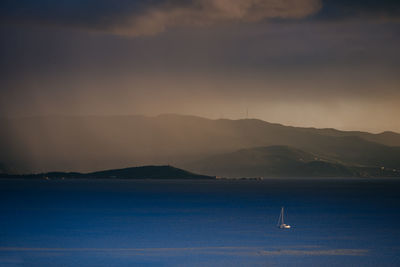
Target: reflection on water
[(336, 222)]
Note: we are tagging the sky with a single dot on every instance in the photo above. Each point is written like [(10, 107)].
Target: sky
[(320, 63)]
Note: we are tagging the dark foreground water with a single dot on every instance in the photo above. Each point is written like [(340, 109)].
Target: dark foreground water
[(336, 222)]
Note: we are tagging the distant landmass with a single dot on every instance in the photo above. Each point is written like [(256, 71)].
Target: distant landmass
[(223, 147), (143, 172), (283, 161)]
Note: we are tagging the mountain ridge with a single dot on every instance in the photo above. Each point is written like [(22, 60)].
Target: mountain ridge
[(282, 161), (88, 143)]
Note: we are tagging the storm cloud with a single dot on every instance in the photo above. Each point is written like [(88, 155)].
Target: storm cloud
[(151, 17), (208, 12), (322, 63), (376, 10)]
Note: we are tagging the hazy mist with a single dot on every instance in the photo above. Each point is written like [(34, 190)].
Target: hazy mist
[(308, 63)]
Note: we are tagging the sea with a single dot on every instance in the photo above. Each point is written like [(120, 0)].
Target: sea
[(334, 222)]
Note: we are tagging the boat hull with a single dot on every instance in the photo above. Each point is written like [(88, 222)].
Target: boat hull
[(284, 226)]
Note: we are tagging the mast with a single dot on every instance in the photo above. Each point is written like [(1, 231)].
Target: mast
[(279, 219)]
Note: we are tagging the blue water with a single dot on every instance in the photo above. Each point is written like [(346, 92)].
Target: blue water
[(336, 222)]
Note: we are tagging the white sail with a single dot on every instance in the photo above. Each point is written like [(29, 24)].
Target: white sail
[(281, 220)]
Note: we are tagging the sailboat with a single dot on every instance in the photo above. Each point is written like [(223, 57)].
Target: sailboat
[(281, 221)]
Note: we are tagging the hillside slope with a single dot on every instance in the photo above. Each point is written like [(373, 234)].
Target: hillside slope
[(142, 172), (84, 144), (281, 161)]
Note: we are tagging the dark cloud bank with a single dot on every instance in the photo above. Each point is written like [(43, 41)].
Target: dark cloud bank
[(149, 17), (323, 63)]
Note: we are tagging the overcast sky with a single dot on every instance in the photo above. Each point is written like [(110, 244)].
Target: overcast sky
[(321, 63)]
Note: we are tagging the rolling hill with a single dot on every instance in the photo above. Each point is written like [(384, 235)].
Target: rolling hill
[(142, 172), (282, 161), (89, 143)]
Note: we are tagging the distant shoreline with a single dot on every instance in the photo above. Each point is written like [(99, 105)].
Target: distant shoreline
[(132, 173), (167, 172), (25, 178)]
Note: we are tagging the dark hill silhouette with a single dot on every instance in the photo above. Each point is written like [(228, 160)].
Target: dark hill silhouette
[(85, 144), (143, 172), (148, 172)]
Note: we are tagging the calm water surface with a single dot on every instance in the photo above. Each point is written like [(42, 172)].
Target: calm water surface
[(336, 222)]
